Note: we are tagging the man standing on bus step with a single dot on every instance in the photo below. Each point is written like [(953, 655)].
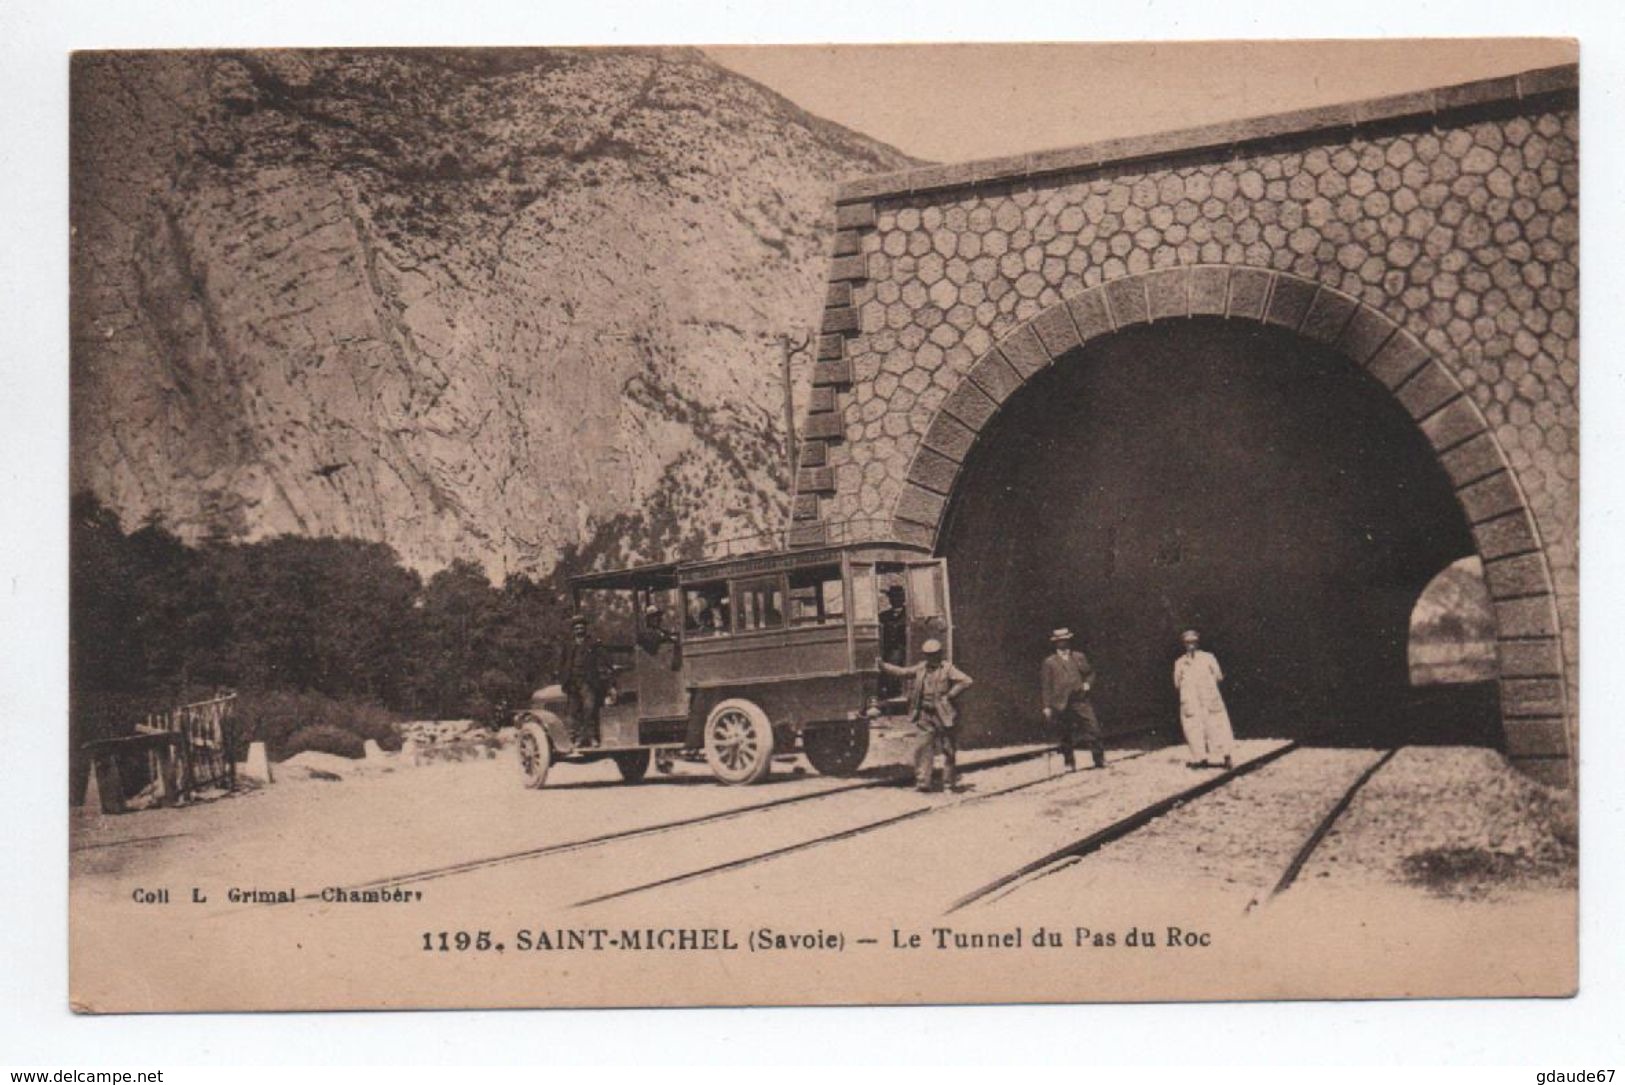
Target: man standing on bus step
[(1202, 714), (1066, 678), (585, 675), (936, 683), (894, 634)]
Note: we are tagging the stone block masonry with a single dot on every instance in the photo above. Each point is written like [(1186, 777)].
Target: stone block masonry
[(1430, 238)]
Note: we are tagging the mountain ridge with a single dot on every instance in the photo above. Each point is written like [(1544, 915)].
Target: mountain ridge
[(492, 304)]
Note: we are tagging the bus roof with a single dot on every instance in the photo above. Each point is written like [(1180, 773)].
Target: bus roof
[(661, 575), (668, 574)]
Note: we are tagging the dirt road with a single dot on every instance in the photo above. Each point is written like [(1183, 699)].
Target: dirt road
[(450, 884)]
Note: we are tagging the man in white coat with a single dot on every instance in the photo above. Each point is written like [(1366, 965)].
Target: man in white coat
[(1201, 709)]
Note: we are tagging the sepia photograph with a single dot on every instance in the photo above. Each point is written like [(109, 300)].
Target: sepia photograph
[(823, 524)]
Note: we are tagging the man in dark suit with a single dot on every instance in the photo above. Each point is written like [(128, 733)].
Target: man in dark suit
[(585, 674), (893, 637), (1066, 679)]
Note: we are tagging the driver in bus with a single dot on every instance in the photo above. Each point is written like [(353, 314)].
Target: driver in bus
[(654, 632)]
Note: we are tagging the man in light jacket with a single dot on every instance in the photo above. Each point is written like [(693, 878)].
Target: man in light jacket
[(936, 683), (1202, 713)]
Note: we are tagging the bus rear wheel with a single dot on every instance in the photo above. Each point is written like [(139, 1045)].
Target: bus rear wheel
[(837, 749), (738, 742)]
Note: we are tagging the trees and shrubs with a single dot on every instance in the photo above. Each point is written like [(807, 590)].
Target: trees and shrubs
[(315, 634)]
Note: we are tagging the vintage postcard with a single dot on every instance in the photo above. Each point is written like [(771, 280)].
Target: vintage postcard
[(807, 525)]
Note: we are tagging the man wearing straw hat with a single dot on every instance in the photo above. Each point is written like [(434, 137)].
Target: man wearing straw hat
[(936, 683), (1202, 713), (1066, 679)]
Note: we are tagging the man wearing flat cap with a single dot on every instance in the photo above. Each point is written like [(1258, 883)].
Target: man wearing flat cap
[(1202, 714), (936, 683), (1066, 679), (585, 674)]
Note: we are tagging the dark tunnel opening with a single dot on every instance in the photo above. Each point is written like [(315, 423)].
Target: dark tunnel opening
[(1234, 478)]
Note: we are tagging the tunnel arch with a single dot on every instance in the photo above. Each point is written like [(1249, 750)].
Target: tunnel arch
[(1451, 429)]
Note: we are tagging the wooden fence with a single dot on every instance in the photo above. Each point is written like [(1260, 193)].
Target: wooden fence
[(170, 757)]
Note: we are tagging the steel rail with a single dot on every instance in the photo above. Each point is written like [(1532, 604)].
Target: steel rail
[(469, 865), (828, 838), (1301, 857), (1118, 829)]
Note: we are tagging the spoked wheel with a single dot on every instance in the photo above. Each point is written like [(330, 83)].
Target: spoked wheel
[(837, 749), (738, 742), (634, 765), (535, 753)]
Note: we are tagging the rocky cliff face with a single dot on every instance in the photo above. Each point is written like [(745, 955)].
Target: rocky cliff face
[(472, 304)]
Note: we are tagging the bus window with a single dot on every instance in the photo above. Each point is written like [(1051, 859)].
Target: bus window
[(761, 604), (816, 596), (863, 593), (705, 610)]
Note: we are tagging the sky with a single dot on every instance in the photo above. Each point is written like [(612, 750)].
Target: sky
[(956, 102)]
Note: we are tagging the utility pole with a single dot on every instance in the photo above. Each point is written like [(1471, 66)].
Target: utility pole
[(791, 346)]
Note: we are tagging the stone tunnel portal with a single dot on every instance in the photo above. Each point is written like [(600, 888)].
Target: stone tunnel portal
[(1235, 478)]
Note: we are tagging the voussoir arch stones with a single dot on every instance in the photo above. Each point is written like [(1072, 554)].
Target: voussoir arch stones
[(1532, 680)]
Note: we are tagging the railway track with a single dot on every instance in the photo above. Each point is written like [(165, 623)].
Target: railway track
[(846, 833), (1070, 855), (487, 862)]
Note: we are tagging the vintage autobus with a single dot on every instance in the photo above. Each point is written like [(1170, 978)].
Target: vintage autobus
[(771, 654)]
